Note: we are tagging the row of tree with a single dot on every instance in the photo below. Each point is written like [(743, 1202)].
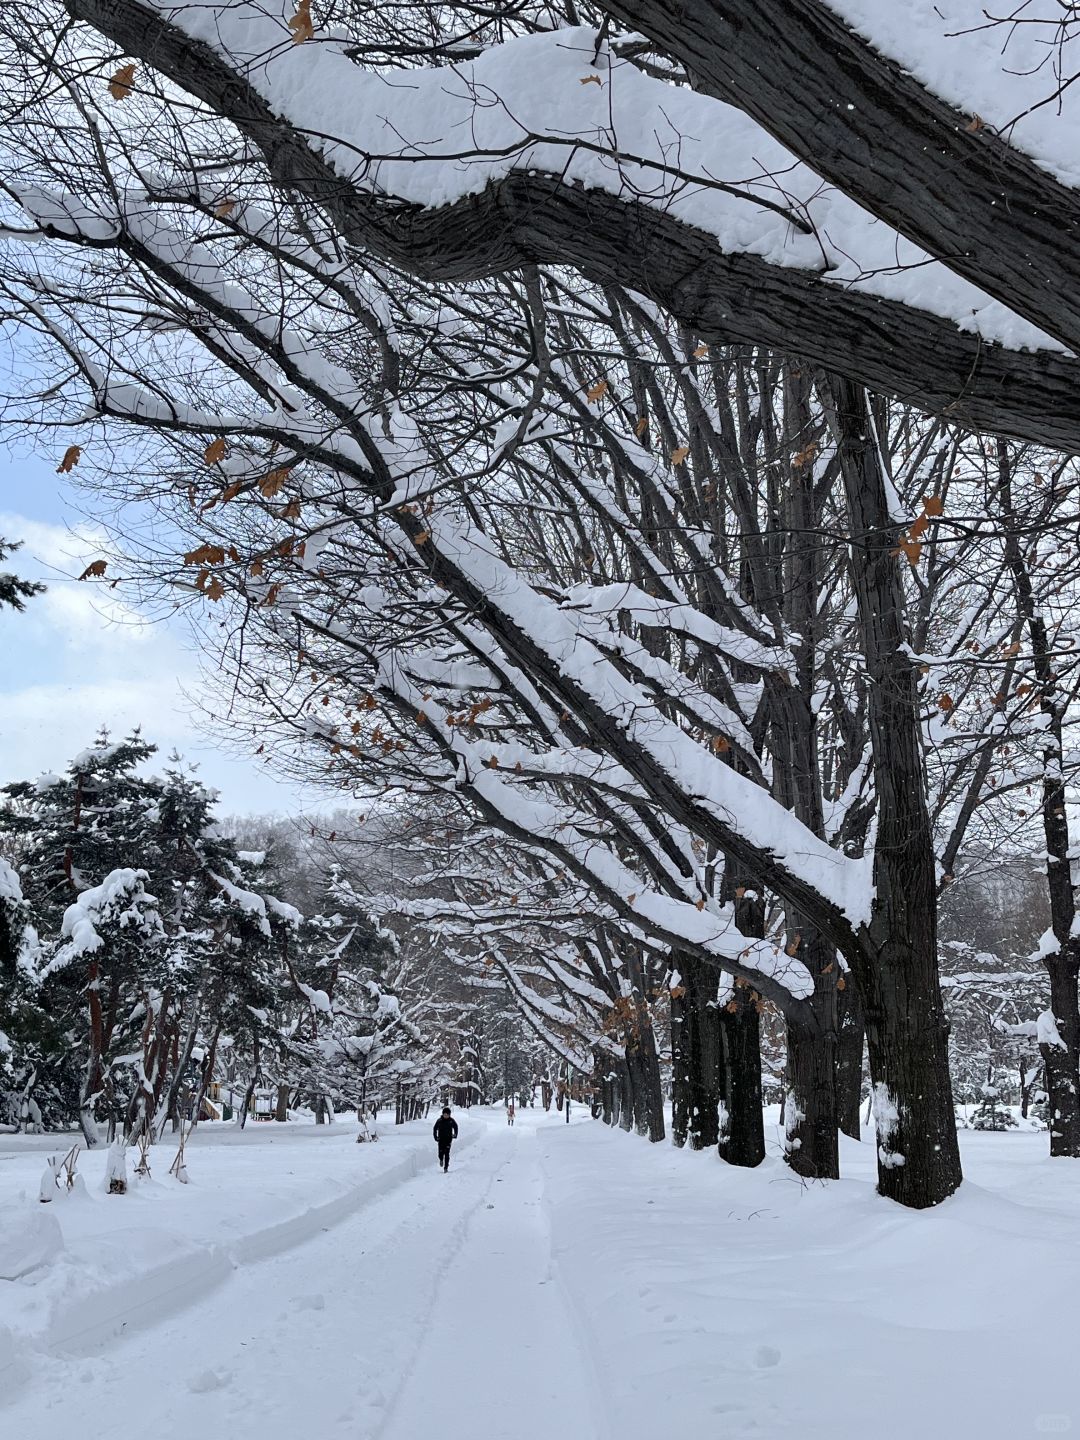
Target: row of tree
[(719, 614)]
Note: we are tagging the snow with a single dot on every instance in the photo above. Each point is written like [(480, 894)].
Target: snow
[(557, 103), (561, 1280), (99, 1264), (79, 925)]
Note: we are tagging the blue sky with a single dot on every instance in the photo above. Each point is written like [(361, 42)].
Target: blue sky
[(79, 657)]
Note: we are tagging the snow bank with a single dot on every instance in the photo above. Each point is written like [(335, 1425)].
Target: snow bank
[(90, 1266)]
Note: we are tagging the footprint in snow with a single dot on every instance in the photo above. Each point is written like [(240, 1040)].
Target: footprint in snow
[(208, 1380)]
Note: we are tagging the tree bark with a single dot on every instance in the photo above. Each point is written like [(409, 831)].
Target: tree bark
[(963, 192), (742, 1123), (895, 961), (1060, 1049), (696, 1056), (851, 1042), (528, 219)]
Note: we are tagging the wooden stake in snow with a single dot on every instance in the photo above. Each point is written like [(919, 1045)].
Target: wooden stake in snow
[(178, 1167), (116, 1169), (69, 1162), (143, 1167)]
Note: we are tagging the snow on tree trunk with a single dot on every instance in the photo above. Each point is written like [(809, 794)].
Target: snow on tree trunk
[(116, 1181)]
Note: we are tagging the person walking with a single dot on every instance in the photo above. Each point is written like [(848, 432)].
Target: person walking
[(510, 1113), (445, 1132)]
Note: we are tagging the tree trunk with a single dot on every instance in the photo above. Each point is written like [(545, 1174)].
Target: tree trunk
[(1059, 1043), (810, 1130), (742, 1123), (281, 1110), (851, 1041), (696, 1056), (894, 957)]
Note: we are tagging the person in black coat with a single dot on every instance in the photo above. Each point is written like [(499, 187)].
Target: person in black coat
[(445, 1133)]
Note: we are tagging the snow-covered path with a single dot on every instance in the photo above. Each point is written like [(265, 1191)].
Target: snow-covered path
[(574, 1283), (497, 1358), (434, 1306)]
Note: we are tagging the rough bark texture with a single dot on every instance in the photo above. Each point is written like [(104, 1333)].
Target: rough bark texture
[(850, 1044), (865, 124), (529, 219), (1061, 1056), (895, 961), (742, 1129), (696, 1058)]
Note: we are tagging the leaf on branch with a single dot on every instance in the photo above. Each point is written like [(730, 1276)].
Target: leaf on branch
[(934, 505), (300, 23), (70, 460), (121, 82), (841, 983), (598, 391), (740, 891), (1013, 649), (272, 484), (291, 510), (591, 80), (678, 991), (215, 590), (256, 569), (205, 555), (679, 454), (805, 456), (271, 596), (912, 549), (975, 124), (215, 451), (721, 744), (642, 425), (225, 209), (94, 570), (919, 527), (701, 351), (231, 491), (946, 703), (422, 538), (493, 763), (699, 904)]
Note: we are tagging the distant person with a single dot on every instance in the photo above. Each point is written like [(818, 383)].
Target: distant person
[(510, 1113), (445, 1133)]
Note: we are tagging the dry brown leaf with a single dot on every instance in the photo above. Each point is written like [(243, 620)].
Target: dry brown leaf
[(805, 456), (642, 425), (300, 23), (493, 763), (215, 590), (701, 351), (94, 570), (120, 84), (679, 454), (70, 460), (598, 391), (205, 555), (215, 451), (256, 569), (911, 549), (231, 491), (272, 484), (934, 505), (291, 510), (225, 209), (591, 80), (946, 702), (975, 124), (721, 744)]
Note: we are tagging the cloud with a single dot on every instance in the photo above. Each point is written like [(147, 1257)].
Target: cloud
[(80, 658)]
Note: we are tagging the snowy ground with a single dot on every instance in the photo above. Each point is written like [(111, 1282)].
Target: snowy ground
[(563, 1282)]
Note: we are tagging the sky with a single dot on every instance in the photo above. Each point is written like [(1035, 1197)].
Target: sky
[(79, 658)]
